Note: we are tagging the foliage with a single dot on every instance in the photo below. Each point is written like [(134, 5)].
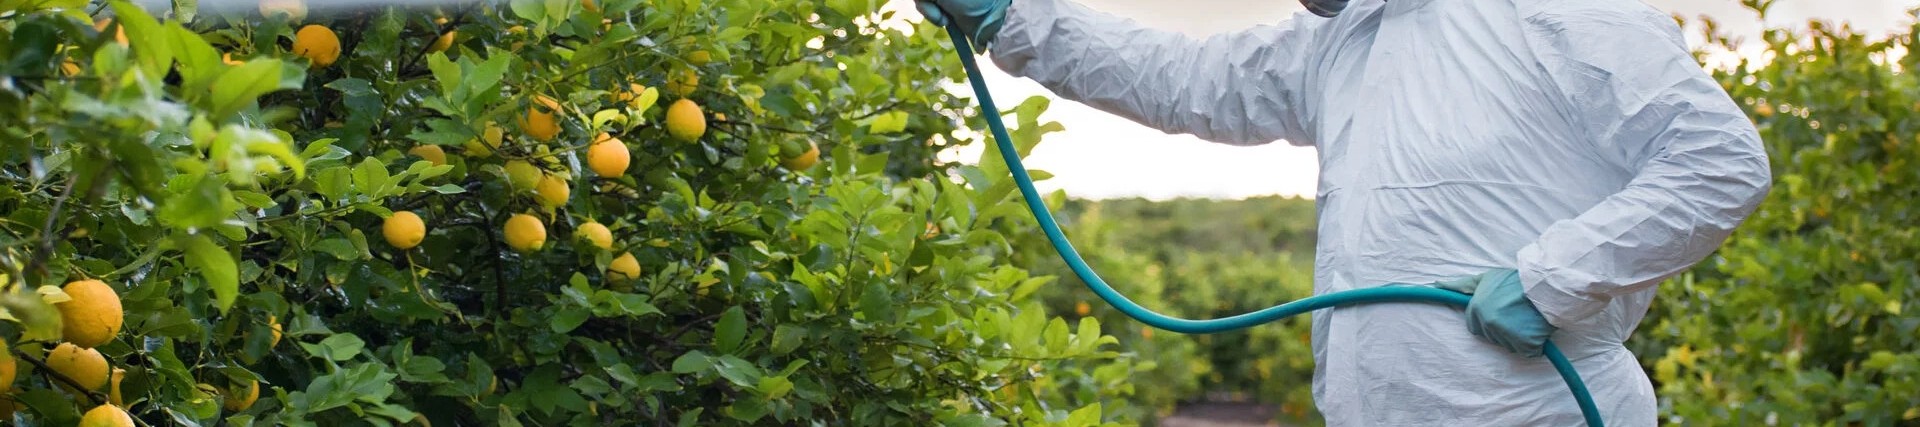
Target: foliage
[(231, 190)]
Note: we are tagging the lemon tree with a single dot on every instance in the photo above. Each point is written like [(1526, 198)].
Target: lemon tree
[(526, 212)]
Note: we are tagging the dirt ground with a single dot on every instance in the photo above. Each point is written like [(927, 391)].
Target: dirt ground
[(1221, 414)]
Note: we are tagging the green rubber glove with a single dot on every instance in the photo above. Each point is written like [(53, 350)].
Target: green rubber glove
[(980, 20), (1501, 313)]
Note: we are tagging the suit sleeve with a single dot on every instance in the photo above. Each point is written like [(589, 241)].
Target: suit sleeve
[(1699, 165), (1239, 88)]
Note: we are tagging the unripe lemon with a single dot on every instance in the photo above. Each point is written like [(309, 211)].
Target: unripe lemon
[(624, 268), (237, 402), (522, 176), (93, 315), (84, 366), (431, 153), (525, 233), (294, 9), (805, 160), (106, 416), (596, 234), (608, 156), (685, 121), (553, 191), (113, 387), (683, 82), (699, 57), (318, 44), (404, 230), (539, 121), (9, 369)]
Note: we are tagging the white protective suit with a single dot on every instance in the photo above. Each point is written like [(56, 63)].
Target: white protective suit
[(1576, 141)]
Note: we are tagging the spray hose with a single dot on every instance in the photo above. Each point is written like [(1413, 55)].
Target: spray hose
[(1243, 321)]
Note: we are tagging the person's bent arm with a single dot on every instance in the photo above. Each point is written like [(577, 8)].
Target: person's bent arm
[(1701, 168), (1240, 88)]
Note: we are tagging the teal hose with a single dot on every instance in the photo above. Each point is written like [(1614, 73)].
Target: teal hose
[(1188, 326)]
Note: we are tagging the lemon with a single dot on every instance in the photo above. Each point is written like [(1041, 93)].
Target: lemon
[(632, 95), (553, 191), (227, 58), (445, 41), (119, 35), (113, 387), (294, 9), (431, 153), (69, 68), (539, 121), (277, 331), (699, 57), (608, 156), (685, 121), (84, 366), (1082, 309), (9, 368), (805, 160), (237, 402), (93, 315), (683, 82), (588, 4), (596, 234), (525, 233), (624, 268), (106, 416), (522, 175), (489, 140), (404, 230), (318, 44)]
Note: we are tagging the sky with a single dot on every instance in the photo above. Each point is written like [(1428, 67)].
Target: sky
[(1104, 156)]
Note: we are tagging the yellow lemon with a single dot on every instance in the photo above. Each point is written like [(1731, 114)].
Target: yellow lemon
[(84, 366), (624, 268), (685, 121), (113, 387), (431, 153), (588, 4), (445, 41), (632, 95), (597, 234), (553, 191), (237, 402), (805, 160), (608, 156), (522, 175), (318, 44), (699, 57), (525, 233), (489, 140), (106, 416), (683, 82), (1081, 308), (93, 315), (277, 331), (9, 369), (540, 122), (404, 230), (69, 68), (294, 9), (227, 58), (119, 35)]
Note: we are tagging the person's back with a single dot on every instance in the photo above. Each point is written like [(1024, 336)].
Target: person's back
[(1573, 143)]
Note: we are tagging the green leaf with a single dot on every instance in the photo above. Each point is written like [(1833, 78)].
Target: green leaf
[(339, 347), (788, 337), (222, 274), (730, 331), (567, 319), (739, 371), (445, 71), (693, 361), (972, 420)]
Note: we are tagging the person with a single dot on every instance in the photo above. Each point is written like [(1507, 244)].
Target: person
[(1558, 159)]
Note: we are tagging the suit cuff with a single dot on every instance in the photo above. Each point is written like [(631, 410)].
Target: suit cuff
[(1548, 291)]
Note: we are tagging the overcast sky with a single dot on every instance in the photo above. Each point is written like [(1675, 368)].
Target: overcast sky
[(1104, 156)]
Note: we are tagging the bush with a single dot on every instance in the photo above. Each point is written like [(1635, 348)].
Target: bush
[(239, 181)]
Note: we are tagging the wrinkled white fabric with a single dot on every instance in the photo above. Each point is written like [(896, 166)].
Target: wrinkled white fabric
[(1576, 141)]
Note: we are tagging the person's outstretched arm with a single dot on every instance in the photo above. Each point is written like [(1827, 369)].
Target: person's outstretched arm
[(1240, 88), (1700, 167)]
